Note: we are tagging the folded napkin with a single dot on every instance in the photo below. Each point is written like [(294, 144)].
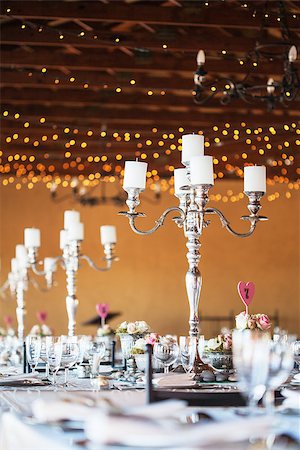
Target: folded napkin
[(140, 431), (174, 380), (292, 399), (19, 377), (296, 377), (55, 411)]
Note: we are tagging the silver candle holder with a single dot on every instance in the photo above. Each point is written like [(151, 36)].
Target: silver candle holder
[(191, 215), (70, 262)]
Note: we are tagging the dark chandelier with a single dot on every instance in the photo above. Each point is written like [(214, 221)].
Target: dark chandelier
[(89, 196), (251, 91)]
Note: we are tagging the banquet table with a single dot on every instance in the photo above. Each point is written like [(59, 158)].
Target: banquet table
[(19, 431)]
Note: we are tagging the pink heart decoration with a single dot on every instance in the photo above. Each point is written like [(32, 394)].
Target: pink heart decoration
[(8, 320), (41, 316), (102, 310), (246, 292)]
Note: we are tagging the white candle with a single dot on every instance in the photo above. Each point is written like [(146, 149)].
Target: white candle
[(71, 217), (180, 179), (192, 145), (135, 175), (32, 237), (202, 171), (63, 239), (108, 234), (21, 255), (50, 265), (76, 232), (14, 265), (255, 179)]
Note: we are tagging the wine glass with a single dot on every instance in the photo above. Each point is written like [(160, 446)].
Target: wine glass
[(251, 350), (296, 351), (69, 354), (188, 347), (53, 353), (281, 363), (83, 342), (96, 352), (33, 351), (166, 353)]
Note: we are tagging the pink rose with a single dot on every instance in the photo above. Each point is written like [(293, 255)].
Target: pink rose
[(41, 316), (251, 323), (227, 342), (263, 322), (102, 310), (154, 337)]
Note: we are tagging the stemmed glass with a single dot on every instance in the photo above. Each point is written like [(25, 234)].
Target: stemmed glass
[(281, 363), (53, 353), (83, 342), (96, 352), (33, 350), (69, 354), (166, 353), (296, 351), (187, 346), (251, 350)]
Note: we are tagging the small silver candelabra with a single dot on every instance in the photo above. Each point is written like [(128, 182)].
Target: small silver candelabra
[(18, 282), (191, 215), (70, 242)]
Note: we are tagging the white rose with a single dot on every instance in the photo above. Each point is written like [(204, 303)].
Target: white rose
[(142, 326), (213, 344), (123, 325), (241, 321), (131, 328), (10, 332), (46, 330), (35, 330), (140, 344)]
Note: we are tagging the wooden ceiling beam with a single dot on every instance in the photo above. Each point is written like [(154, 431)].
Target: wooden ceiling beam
[(192, 16), (12, 35), (106, 99), (156, 118), (95, 61)]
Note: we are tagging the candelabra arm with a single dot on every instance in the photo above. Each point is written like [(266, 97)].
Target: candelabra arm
[(179, 220), (37, 285), (108, 260), (225, 223), (4, 288)]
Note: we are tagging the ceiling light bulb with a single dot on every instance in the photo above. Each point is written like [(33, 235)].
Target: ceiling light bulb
[(270, 86), (201, 58), (293, 53)]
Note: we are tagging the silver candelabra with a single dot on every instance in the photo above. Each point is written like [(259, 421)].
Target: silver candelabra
[(18, 282), (191, 215), (70, 244)]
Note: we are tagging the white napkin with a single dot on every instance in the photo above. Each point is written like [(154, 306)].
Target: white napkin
[(20, 377), (45, 411), (174, 380), (292, 399), (140, 432), (296, 377)]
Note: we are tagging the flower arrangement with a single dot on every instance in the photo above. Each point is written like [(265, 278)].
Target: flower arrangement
[(221, 343), (41, 329), (140, 344), (2, 332), (106, 330), (244, 321), (133, 328)]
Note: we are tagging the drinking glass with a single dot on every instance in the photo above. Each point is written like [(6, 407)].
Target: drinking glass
[(53, 353), (280, 365), (96, 352), (83, 342), (251, 360), (166, 354), (33, 350), (69, 354), (296, 352), (187, 346)]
